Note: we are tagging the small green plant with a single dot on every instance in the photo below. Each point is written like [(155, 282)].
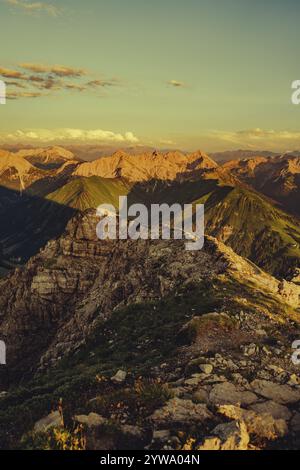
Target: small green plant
[(55, 439)]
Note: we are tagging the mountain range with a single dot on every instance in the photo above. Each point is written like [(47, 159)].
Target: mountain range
[(149, 345)]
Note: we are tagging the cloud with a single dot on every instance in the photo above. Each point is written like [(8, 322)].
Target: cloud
[(58, 70), (258, 139), (75, 86), (176, 83), (35, 7), (69, 135), (14, 95), (101, 83), (8, 73), (52, 78), (15, 84)]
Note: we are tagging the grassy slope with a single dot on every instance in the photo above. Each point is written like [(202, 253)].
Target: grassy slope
[(85, 193), (257, 229)]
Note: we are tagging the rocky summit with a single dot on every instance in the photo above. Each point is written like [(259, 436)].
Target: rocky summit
[(141, 344)]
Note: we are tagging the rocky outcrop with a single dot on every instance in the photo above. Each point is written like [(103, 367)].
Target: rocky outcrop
[(76, 281), (145, 167)]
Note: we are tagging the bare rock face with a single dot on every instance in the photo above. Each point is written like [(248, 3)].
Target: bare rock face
[(181, 411), (283, 394), (228, 393), (263, 426), (274, 409), (145, 167), (287, 292), (230, 436)]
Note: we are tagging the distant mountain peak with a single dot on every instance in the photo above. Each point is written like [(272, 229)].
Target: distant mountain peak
[(146, 166)]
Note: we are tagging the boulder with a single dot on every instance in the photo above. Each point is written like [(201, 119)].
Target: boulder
[(274, 409), (200, 396), (120, 377), (206, 368), (92, 420), (228, 393), (263, 426), (178, 411), (283, 394), (234, 435), (53, 420)]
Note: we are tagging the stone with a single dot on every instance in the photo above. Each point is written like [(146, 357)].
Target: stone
[(283, 394), (120, 377), (294, 380), (179, 411), (53, 420), (195, 379), (92, 420), (162, 435), (240, 380), (211, 443), (264, 426), (206, 368), (233, 436), (212, 379), (200, 396), (250, 350), (274, 409), (227, 393)]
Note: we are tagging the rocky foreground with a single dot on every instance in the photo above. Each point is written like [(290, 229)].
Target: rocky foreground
[(146, 345), (238, 399)]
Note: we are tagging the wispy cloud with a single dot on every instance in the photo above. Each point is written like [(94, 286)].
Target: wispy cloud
[(176, 84), (35, 7), (39, 78), (8, 73), (14, 95), (102, 83), (69, 135), (58, 70), (258, 139)]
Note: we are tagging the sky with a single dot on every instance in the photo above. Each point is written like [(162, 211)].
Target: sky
[(209, 74)]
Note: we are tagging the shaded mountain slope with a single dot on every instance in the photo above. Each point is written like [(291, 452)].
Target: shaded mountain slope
[(277, 177), (243, 219)]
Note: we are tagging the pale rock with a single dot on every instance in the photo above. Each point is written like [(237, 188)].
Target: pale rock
[(274, 409), (179, 411), (206, 368), (92, 420), (283, 394), (262, 425), (227, 393), (53, 420), (120, 377)]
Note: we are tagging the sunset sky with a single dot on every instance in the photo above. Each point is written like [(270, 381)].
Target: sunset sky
[(209, 74)]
